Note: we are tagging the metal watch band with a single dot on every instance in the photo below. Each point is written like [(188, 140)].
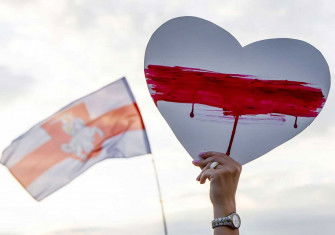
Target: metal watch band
[(224, 221)]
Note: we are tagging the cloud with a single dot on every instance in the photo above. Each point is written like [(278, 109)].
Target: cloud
[(86, 231), (18, 2), (288, 222), (12, 85)]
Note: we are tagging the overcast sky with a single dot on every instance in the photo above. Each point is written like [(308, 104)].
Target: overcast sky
[(55, 51)]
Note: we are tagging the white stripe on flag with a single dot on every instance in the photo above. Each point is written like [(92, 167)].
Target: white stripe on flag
[(23, 145), (114, 96)]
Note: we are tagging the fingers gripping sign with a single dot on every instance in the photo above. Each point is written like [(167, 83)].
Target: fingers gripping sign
[(223, 178), (207, 159)]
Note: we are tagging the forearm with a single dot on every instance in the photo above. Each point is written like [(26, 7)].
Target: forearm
[(222, 211), (223, 172)]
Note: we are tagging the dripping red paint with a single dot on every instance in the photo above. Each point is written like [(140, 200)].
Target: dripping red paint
[(235, 94)]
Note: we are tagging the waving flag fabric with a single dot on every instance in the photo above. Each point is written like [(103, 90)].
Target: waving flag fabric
[(104, 124)]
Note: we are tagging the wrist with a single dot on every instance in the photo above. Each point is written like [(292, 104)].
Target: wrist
[(224, 209)]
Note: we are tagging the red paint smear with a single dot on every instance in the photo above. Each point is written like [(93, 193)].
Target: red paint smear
[(235, 94)]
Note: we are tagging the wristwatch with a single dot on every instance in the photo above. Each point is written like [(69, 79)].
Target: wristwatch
[(233, 221)]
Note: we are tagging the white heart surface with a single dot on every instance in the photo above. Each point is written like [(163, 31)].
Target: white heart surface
[(219, 96)]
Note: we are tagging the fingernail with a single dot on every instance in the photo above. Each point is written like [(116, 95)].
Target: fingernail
[(195, 161), (202, 153)]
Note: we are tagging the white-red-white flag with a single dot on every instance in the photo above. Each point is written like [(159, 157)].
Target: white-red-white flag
[(104, 124)]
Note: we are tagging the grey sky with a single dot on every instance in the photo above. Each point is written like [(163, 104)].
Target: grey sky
[(56, 51)]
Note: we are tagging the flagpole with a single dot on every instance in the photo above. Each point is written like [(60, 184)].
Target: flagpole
[(159, 194)]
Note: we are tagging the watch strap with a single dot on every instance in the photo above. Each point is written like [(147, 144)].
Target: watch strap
[(224, 221)]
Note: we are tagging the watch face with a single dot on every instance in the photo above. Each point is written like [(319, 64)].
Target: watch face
[(236, 220)]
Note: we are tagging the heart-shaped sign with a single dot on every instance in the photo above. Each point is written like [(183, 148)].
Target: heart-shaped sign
[(219, 96)]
